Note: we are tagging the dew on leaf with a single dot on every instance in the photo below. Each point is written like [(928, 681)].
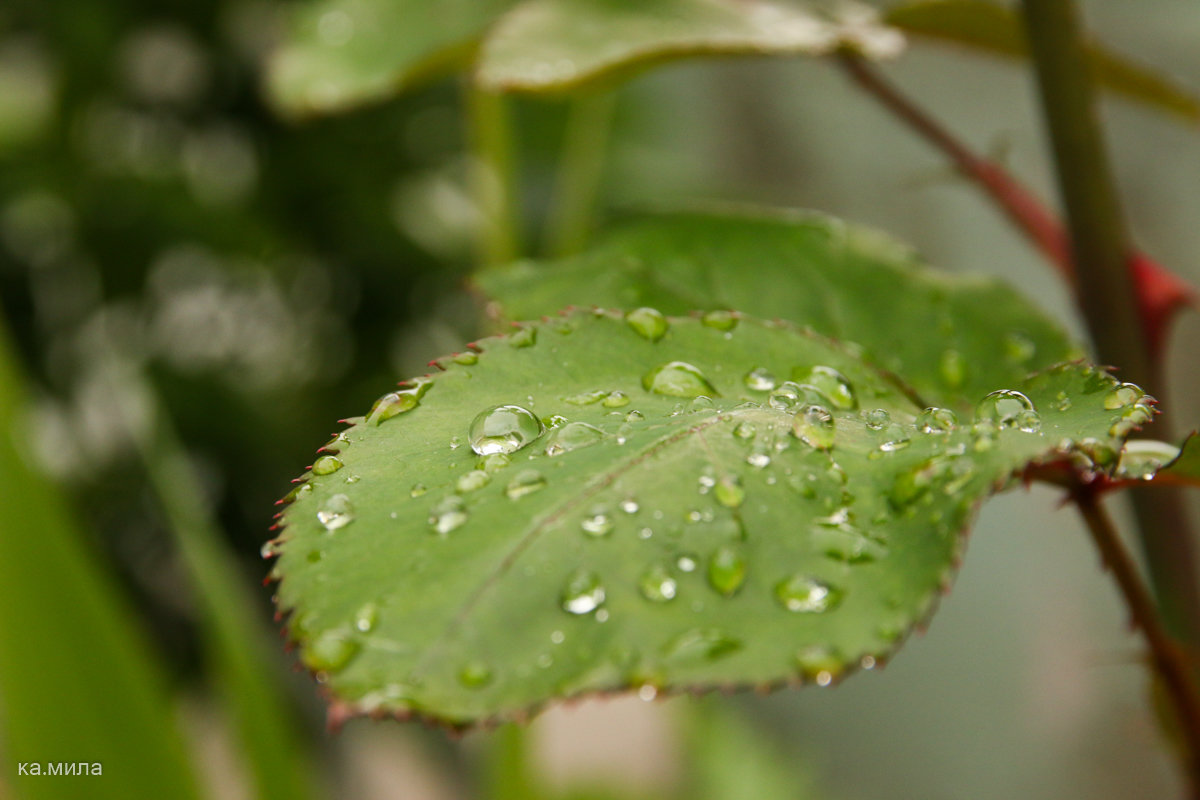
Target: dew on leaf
[(616, 399), (686, 563), (503, 429), (525, 482), (582, 593), (466, 358), (295, 494), (331, 651), (326, 465), (1003, 407), (366, 618), (720, 320), (472, 481), (448, 515), (1123, 396), (937, 420), (806, 594), (726, 569), (1141, 459), (833, 385), (585, 399), (523, 337), (678, 379), (493, 462), (475, 675), (1028, 422), (814, 426), (649, 323), (759, 458), (598, 522), (398, 402), (818, 664), (785, 397), (417, 490), (634, 416), (337, 512), (744, 430), (629, 505), (877, 419), (759, 380), (700, 644), (572, 436), (729, 491), (657, 585)]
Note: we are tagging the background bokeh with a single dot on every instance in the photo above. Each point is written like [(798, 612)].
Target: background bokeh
[(172, 250)]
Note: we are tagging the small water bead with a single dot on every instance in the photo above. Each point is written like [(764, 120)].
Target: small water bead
[(759, 458), (744, 430), (1062, 402), (1123, 396), (326, 465), (720, 320), (525, 482), (557, 637), (634, 416), (678, 379), (585, 398), (475, 675), (645, 533), (785, 397), (455, 442), (819, 664), (331, 651), (707, 482), (936, 421), (366, 618), (649, 323), (493, 462), (833, 385), (876, 419), (952, 367), (338, 512), (759, 380), (984, 433), (700, 644), (295, 494), (629, 505), (698, 515), (598, 522), (814, 426), (573, 436), (395, 403), (657, 585), (449, 514), (582, 593), (726, 569), (1018, 348), (807, 595), (1029, 422), (616, 399), (729, 491), (503, 429), (472, 481), (686, 563), (554, 421), (1102, 455), (466, 359), (1003, 407), (523, 337), (417, 490)]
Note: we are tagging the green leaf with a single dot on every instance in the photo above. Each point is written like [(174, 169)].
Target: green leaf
[(342, 53), (556, 44), (997, 29), (952, 338), (677, 526), (1144, 460)]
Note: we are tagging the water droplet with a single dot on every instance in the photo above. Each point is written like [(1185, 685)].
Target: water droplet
[(557, 637), (720, 320), (526, 482), (678, 379), (706, 481), (634, 416), (833, 385), (700, 644), (818, 664), (615, 400), (937, 420), (1062, 402), (598, 523), (629, 505), (417, 490), (649, 323), (843, 541), (582, 593), (1141, 459), (759, 458), (953, 369), (877, 419), (686, 563), (744, 430), (475, 675), (814, 426), (759, 380), (585, 398), (726, 569), (572, 436), (398, 402), (700, 404), (503, 429), (729, 491), (448, 515), (523, 337), (473, 480), (1029, 422), (338, 512), (331, 651), (983, 435), (455, 442), (467, 359), (806, 594), (326, 465), (1123, 396), (295, 494), (1101, 454), (1003, 407), (366, 618), (657, 585), (785, 396), (647, 692), (493, 462)]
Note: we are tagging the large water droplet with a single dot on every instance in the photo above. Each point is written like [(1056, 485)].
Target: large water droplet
[(525, 482), (583, 593), (1123, 396), (678, 379), (814, 426), (833, 385), (572, 436), (331, 651), (759, 380), (448, 515), (503, 429), (398, 402), (326, 465), (598, 522), (1141, 459), (806, 594), (649, 323), (729, 491), (937, 420), (1003, 407), (657, 585), (338, 512), (727, 569)]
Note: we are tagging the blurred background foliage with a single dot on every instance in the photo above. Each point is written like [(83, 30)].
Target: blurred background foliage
[(196, 289)]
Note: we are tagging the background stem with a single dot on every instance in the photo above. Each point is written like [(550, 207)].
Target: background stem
[(572, 209), (493, 176)]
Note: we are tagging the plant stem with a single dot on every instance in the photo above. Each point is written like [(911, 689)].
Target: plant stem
[(1166, 656), (1106, 287), (581, 167), (493, 175)]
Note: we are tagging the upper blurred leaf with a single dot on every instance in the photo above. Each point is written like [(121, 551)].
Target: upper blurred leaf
[(953, 338), (997, 29), (341, 53), (556, 44)]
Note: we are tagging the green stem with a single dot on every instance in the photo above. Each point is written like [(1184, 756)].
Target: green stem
[(1106, 289), (494, 176), (581, 168)]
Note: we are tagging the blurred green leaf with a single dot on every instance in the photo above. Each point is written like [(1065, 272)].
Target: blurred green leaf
[(952, 338), (77, 681), (1145, 459), (998, 29), (679, 525), (556, 44)]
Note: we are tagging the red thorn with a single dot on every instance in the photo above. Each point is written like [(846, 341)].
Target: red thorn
[(1161, 293)]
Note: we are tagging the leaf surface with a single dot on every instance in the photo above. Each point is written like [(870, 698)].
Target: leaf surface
[(719, 534), (952, 338)]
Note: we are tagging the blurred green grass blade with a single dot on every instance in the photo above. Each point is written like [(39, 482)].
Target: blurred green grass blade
[(77, 681), (997, 29), (245, 672)]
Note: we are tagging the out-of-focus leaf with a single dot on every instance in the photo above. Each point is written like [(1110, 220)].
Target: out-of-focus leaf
[(343, 53), (77, 681), (543, 45), (952, 338), (1162, 463), (994, 28), (604, 502)]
